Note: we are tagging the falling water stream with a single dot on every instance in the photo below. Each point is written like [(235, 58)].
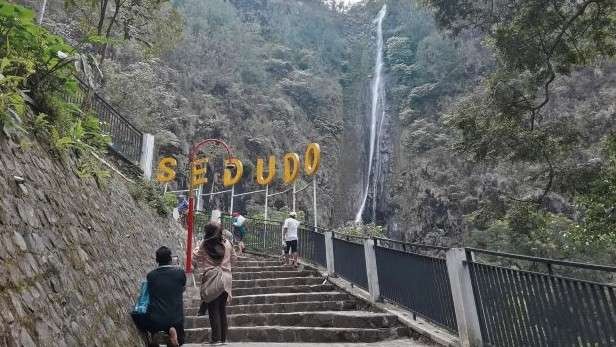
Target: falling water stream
[(376, 120)]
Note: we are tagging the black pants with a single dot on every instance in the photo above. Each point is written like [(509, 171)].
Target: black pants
[(217, 311), (145, 325)]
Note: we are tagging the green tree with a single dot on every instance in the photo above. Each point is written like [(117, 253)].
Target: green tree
[(106, 22), (599, 203), (534, 41)]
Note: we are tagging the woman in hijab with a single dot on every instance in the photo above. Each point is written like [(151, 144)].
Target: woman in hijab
[(214, 257)]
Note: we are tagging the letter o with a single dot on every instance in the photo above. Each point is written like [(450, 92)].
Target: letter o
[(312, 159)]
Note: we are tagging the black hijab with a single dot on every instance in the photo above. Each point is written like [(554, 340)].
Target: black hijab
[(212, 242)]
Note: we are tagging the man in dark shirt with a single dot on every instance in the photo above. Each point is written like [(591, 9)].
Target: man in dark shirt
[(166, 288)]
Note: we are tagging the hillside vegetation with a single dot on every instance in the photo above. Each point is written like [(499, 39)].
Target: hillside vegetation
[(500, 130)]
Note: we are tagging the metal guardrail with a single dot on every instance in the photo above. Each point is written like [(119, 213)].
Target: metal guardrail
[(311, 246), (126, 139), (514, 307), (350, 259), (415, 281), (526, 308), (549, 263)]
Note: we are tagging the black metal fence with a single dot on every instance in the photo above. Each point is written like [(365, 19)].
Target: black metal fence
[(515, 307), (126, 139), (311, 246), (418, 282), (526, 308), (350, 259)]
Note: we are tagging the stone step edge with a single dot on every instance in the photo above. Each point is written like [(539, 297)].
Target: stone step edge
[(285, 287), (186, 307), (276, 279), (368, 314), (286, 327), (284, 294)]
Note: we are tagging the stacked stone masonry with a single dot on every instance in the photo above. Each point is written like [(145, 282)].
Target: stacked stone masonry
[(72, 254)]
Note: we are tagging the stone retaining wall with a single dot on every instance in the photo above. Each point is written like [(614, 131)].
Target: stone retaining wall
[(71, 254)]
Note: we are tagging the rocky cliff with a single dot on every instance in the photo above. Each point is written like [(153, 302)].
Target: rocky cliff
[(73, 254)]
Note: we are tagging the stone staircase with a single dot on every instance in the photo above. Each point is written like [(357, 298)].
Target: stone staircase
[(273, 302)]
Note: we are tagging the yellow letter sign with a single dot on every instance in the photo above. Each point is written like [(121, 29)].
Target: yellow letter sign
[(229, 180), (165, 172), (290, 167), (199, 169), (312, 159), (271, 174)]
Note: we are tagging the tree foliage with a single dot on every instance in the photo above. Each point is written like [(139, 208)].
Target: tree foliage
[(106, 22), (599, 203), (36, 80), (535, 41)]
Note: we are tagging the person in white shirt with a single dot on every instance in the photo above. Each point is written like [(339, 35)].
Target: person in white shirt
[(216, 214), (289, 230)]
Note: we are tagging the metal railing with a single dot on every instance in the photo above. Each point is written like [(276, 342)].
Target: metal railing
[(415, 281), (126, 139), (515, 307), (311, 246), (527, 308), (350, 259), (265, 236)]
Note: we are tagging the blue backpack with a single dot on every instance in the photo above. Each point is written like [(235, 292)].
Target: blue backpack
[(141, 306)]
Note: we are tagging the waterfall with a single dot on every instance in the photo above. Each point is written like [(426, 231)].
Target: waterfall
[(377, 115)]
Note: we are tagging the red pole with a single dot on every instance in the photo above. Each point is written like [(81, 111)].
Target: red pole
[(191, 200), (190, 226), (190, 221)]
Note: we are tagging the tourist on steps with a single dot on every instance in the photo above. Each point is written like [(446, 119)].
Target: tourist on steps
[(214, 257), (226, 234), (165, 311), (239, 230), (289, 229)]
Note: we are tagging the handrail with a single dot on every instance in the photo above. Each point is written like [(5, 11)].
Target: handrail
[(412, 244), (100, 98), (547, 261), (469, 250), (334, 233)]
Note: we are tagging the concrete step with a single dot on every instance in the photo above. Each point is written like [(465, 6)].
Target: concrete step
[(250, 270), (277, 298), (324, 319), (277, 282), (264, 268), (284, 289), (193, 293), (265, 282), (272, 274), (341, 305), (257, 263), (299, 334)]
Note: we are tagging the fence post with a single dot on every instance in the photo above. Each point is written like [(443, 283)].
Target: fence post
[(147, 155), (371, 270), (463, 298), (329, 253)]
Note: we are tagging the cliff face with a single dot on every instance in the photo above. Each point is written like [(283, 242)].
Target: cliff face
[(72, 254)]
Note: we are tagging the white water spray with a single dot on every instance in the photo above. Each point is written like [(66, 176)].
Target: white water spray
[(376, 116)]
